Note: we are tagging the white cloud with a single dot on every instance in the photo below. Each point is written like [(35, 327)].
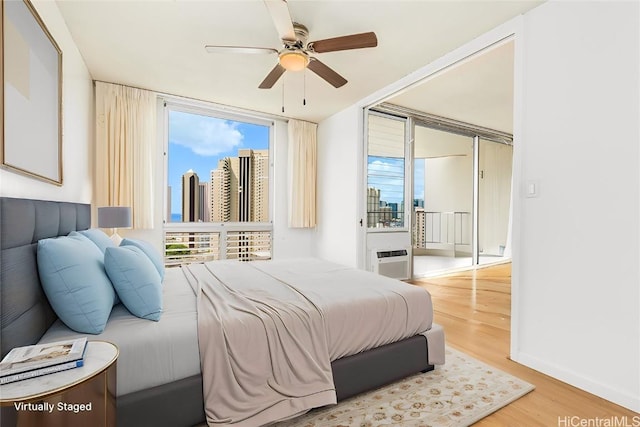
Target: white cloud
[(205, 136), (391, 167), (387, 174)]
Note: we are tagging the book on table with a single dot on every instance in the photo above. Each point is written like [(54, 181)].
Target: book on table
[(41, 359)]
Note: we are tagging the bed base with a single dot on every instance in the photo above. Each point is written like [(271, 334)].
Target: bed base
[(180, 404)]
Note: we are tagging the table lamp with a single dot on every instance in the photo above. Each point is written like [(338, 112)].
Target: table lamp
[(114, 217)]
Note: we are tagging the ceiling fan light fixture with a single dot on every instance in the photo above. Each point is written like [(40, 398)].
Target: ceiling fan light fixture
[(294, 60)]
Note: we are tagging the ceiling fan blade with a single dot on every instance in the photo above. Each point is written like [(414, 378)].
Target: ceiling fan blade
[(279, 11), (272, 77), (334, 79), (354, 41), (239, 49)]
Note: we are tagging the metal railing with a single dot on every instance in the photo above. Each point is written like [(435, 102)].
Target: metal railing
[(442, 230), (448, 227), (380, 218), (200, 242)]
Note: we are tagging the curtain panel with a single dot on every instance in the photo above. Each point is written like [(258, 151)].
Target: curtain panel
[(302, 174), (125, 150)]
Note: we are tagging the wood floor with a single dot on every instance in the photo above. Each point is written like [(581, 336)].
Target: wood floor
[(474, 309)]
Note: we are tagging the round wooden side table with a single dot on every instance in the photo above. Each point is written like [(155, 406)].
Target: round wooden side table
[(84, 396)]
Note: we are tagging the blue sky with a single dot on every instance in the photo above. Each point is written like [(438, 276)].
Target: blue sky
[(197, 142)]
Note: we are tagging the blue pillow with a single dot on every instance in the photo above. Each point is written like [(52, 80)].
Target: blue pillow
[(98, 237), (149, 251), (73, 278), (136, 281)]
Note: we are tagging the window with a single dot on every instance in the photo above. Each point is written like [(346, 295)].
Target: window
[(218, 169), (385, 171), (218, 186)]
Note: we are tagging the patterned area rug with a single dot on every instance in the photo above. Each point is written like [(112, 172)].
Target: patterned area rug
[(459, 393)]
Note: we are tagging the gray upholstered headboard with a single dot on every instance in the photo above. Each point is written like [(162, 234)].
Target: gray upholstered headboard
[(25, 313)]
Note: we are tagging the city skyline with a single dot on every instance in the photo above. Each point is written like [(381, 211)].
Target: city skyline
[(198, 142), (387, 175), (238, 191)]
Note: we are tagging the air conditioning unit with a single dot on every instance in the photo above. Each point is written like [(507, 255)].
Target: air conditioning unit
[(392, 263)]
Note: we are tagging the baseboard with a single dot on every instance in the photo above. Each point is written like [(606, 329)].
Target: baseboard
[(577, 380)]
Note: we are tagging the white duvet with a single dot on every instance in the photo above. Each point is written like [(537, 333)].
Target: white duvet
[(269, 330)]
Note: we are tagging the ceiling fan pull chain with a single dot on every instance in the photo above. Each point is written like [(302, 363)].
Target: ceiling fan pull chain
[(304, 87), (283, 95)]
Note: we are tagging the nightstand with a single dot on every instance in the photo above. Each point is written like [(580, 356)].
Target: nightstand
[(84, 396)]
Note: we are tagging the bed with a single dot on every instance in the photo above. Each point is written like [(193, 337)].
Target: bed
[(168, 390)]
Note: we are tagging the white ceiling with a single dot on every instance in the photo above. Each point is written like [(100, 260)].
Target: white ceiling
[(159, 45), (478, 90)]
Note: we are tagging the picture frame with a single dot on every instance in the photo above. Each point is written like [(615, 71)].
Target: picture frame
[(31, 94)]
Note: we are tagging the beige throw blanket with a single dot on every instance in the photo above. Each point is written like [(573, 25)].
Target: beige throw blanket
[(263, 347)]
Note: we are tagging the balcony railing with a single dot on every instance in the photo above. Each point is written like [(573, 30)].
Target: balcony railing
[(442, 230), (199, 242), (452, 228)]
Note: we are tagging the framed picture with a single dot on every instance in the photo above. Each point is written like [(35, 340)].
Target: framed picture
[(31, 94)]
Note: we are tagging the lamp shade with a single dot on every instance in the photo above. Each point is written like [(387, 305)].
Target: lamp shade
[(114, 217), (294, 60)]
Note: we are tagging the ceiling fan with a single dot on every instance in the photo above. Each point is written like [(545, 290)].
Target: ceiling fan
[(296, 53)]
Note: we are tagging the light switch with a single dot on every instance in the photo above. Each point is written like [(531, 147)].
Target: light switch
[(533, 188)]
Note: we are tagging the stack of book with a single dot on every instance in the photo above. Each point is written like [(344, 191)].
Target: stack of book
[(31, 361)]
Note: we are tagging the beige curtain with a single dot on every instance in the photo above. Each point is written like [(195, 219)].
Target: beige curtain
[(302, 174), (125, 150)]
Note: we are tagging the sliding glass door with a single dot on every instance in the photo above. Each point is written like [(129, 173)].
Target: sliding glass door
[(442, 231), (453, 181), (452, 214)]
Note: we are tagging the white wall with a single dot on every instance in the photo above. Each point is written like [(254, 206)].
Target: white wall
[(448, 184), (576, 281), (339, 187), (77, 126)]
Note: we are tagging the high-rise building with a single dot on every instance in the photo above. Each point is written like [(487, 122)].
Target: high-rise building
[(261, 185), (240, 187), (394, 210), (221, 192), (240, 193), (224, 190), (190, 196), (385, 215), (373, 207), (204, 202), (253, 185)]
